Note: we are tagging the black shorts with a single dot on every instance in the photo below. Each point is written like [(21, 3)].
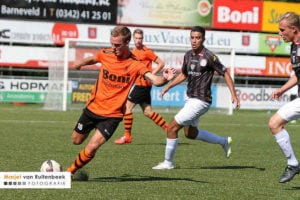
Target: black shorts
[(140, 94), (89, 121)]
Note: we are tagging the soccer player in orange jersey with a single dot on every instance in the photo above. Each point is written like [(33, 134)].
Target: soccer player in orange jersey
[(141, 91), (105, 108)]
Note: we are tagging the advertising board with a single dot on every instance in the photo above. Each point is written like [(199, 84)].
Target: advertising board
[(96, 11)]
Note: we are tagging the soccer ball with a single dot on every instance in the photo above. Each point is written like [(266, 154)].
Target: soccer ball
[(51, 166)]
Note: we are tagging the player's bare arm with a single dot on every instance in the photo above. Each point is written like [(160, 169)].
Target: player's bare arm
[(159, 67), (168, 74), (231, 87), (288, 85), (179, 79), (87, 61)]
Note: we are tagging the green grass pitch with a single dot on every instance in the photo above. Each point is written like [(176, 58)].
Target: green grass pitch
[(30, 135)]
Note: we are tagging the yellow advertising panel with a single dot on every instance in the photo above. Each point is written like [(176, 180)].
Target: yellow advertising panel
[(273, 10)]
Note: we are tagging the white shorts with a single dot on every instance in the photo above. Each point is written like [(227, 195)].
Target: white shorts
[(191, 112), (290, 111)]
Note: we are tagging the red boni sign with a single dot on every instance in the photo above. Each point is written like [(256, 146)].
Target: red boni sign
[(238, 15)]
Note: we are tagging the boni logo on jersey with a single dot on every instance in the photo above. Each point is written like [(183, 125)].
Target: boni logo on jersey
[(115, 78), (115, 81)]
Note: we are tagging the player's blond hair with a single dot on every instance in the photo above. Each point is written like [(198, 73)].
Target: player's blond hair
[(292, 19), (123, 31), (138, 31)]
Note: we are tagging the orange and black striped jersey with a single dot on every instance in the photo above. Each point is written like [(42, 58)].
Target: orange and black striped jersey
[(146, 56), (114, 81)]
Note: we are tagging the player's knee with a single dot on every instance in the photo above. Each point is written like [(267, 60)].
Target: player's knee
[(275, 125), (271, 124), (190, 135), (172, 131), (77, 138), (76, 141), (148, 112), (190, 132)]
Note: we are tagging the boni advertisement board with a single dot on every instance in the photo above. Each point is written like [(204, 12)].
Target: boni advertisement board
[(96, 11), (272, 10), (167, 13), (238, 15)]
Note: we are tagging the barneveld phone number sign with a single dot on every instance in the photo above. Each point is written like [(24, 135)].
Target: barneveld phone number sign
[(93, 11)]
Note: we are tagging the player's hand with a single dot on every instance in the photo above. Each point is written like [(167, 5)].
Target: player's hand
[(236, 103), (169, 73), (163, 91), (276, 94), (77, 65)]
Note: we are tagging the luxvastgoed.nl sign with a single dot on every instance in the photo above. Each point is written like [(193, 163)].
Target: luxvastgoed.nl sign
[(96, 11), (54, 33)]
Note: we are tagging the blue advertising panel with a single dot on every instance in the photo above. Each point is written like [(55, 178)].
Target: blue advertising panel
[(175, 97), (214, 96)]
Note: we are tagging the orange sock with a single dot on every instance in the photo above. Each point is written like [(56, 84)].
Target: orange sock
[(159, 120), (128, 121), (83, 158), (165, 126)]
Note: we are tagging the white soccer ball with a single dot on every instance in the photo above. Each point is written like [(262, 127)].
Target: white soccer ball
[(51, 166)]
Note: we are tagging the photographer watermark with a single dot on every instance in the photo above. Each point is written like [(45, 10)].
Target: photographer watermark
[(43, 180)]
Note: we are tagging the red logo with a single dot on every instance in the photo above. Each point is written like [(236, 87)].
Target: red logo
[(245, 40), (92, 32), (62, 31), (238, 14)]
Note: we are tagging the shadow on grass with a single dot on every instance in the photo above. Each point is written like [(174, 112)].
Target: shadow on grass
[(226, 167), (293, 188), (164, 144), (130, 178)]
